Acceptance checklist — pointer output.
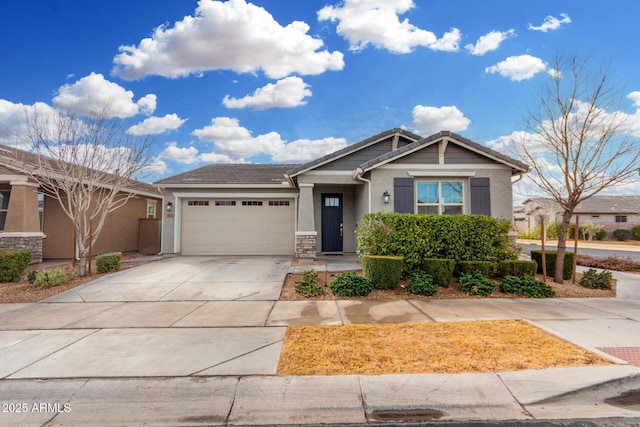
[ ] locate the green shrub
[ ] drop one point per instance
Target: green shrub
(601, 234)
(635, 231)
(49, 279)
(486, 268)
(553, 229)
(476, 284)
(550, 257)
(517, 268)
(109, 262)
(383, 271)
(534, 234)
(13, 263)
(309, 286)
(349, 284)
(440, 269)
(526, 286)
(593, 279)
(416, 237)
(31, 277)
(590, 230)
(621, 234)
(421, 283)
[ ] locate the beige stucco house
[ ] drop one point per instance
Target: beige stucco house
(31, 220)
(315, 207)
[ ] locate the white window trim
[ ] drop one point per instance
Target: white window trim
(440, 204)
(153, 203)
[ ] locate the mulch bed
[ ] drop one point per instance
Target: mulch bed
(566, 290)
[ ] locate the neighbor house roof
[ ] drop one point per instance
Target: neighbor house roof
(221, 174)
(516, 165)
(13, 159)
(595, 204)
(352, 148)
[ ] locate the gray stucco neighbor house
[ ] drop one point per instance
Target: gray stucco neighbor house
(302, 210)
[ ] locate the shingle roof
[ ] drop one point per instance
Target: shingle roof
(597, 204)
(351, 148)
(17, 160)
(517, 165)
(229, 174)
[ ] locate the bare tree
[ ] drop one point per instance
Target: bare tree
(86, 163)
(579, 142)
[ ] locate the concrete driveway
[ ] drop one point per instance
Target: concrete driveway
(181, 316)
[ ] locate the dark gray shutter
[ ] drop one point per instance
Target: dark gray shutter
(480, 196)
(403, 195)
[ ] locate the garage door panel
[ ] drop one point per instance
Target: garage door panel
(237, 230)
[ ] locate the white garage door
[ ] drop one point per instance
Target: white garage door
(238, 226)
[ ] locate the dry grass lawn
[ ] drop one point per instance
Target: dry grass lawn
(451, 348)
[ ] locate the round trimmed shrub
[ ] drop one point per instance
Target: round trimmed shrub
(621, 234)
(349, 284)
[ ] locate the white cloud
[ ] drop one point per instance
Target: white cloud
(232, 140)
(156, 125)
(94, 94)
(13, 126)
(377, 22)
(490, 41)
(231, 35)
(517, 68)
(157, 166)
(428, 120)
(219, 158)
(635, 97)
(147, 104)
(304, 150)
(286, 93)
(551, 23)
(186, 155)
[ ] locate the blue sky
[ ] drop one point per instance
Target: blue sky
(288, 81)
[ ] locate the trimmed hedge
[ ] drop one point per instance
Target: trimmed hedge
(383, 271)
(416, 237)
(109, 262)
(550, 257)
(440, 269)
(486, 268)
(13, 263)
(517, 268)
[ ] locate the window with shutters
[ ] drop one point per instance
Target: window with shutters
(440, 197)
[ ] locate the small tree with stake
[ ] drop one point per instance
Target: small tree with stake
(579, 142)
(87, 163)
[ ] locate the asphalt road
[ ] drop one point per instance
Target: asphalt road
(527, 247)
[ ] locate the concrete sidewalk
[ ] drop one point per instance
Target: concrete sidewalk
(203, 345)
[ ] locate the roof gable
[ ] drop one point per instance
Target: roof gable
(354, 148)
(487, 153)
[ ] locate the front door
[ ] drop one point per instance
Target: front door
(332, 228)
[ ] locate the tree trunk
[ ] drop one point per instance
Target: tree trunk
(558, 273)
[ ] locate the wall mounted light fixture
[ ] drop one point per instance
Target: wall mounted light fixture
(169, 206)
(386, 196)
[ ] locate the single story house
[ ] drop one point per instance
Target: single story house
(303, 210)
(29, 219)
(609, 212)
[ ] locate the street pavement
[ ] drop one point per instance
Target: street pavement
(197, 340)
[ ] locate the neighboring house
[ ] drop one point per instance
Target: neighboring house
(610, 212)
(31, 220)
(303, 210)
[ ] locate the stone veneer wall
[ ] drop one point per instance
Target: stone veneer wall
(306, 244)
(31, 243)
